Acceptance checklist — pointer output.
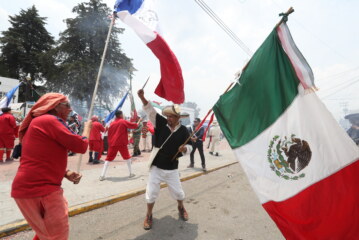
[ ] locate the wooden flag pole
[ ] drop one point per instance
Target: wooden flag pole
(97, 81)
(196, 130)
(284, 19)
(285, 16)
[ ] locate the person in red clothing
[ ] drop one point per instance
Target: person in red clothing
(36, 188)
(96, 143)
(118, 141)
(7, 133)
(146, 138)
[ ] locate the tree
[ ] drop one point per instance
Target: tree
(22, 46)
(72, 67)
(3, 69)
(194, 106)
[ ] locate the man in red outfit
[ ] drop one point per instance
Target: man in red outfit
(96, 142)
(46, 139)
(118, 141)
(7, 133)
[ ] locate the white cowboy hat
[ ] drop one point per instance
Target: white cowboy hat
(174, 110)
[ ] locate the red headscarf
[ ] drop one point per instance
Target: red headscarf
(46, 103)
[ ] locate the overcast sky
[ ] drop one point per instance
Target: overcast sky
(324, 30)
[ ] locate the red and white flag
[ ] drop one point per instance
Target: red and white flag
(143, 19)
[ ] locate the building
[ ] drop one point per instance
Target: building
(6, 84)
(190, 119)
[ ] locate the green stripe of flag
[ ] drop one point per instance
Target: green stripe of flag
(156, 105)
(268, 85)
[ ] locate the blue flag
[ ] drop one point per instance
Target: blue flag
(119, 106)
(5, 102)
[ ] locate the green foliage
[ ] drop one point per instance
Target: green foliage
(3, 69)
(22, 46)
(72, 66)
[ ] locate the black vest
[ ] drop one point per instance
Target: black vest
(164, 158)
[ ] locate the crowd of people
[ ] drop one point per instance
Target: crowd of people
(52, 131)
(141, 139)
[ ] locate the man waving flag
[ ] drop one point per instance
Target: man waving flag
(301, 164)
(143, 19)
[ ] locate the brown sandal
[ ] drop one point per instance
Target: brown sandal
(183, 213)
(147, 224)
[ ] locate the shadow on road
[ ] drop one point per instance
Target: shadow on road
(170, 228)
(121, 179)
(166, 228)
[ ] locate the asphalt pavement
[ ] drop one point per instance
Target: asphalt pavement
(92, 193)
(220, 204)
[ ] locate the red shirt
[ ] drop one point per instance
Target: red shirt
(117, 133)
(96, 131)
(7, 124)
(44, 157)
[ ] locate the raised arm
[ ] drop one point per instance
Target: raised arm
(141, 95)
(150, 111)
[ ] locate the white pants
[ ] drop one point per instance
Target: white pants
(214, 144)
(146, 142)
(170, 177)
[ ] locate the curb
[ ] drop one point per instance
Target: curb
(22, 225)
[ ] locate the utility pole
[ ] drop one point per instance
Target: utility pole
(27, 87)
(344, 106)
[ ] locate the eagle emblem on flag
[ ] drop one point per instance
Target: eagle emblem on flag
(289, 156)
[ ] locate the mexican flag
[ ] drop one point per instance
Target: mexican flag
(301, 164)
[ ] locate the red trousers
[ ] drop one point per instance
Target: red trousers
(112, 152)
(47, 215)
(7, 141)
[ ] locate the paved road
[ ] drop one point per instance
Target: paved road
(91, 189)
(221, 205)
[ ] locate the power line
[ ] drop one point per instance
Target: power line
(339, 74)
(346, 86)
(224, 27)
(315, 36)
(342, 99)
(349, 81)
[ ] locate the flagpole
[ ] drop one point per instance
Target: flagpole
(284, 19)
(285, 16)
(97, 81)
(204, 119)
